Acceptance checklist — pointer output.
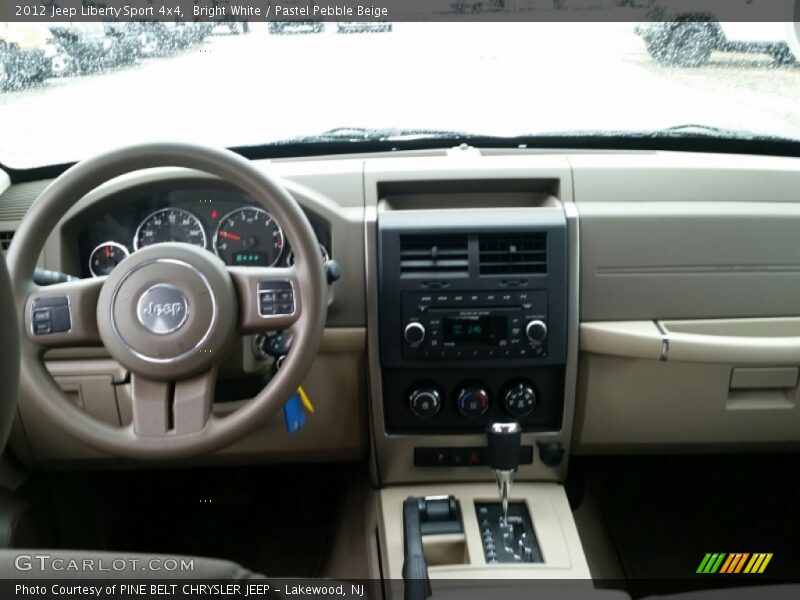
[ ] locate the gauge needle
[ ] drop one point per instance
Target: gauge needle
(108, 252)
(230, 236)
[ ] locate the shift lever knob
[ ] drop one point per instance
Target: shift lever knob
(504, 439)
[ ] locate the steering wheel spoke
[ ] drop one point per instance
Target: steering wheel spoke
(64, 314)
(268, 298)
(163, 408)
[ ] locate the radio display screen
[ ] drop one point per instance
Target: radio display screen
(475, 330)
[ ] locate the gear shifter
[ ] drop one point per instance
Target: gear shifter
(504, 439)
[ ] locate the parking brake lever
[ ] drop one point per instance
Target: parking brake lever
(504, 440)
(416, 582)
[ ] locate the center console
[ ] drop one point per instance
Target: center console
(472, 313)
(472, 309)
(478, 549)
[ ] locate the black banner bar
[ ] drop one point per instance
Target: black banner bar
(398, 10)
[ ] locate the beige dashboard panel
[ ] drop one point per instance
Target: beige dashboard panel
(337, 430)
(671, 235)
(685, 260)
(717, 384)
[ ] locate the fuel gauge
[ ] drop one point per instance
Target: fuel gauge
(105, 257)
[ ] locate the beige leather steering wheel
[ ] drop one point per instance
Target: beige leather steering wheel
(169, 313)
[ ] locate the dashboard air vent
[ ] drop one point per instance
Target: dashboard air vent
(515, 254)
(5, 239)
(437, 255)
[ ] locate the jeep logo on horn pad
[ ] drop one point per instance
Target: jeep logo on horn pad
(162, 309)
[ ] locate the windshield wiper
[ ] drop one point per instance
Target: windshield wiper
(681, 131)
(385, 134)
(697, 129)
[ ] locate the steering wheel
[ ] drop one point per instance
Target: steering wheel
(9, 355)
(169, 313)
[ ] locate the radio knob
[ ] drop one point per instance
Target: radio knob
(536, 330)
(414, 333)
(472, 401)
(520, 400)
(425, 402)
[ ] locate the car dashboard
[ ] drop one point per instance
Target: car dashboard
(612, 302)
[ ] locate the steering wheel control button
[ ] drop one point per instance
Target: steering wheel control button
(51, 315)
(425, 402)
(162, 309)
(275, 298)
(520, 399)
(472, 402)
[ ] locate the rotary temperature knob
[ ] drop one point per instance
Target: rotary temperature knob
(472, 401)
(520, 399)
(425, 402)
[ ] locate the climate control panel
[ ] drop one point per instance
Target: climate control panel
(457, 400)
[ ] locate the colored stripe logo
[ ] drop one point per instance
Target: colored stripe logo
(734, 563)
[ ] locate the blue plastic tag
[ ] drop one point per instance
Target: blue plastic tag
(294, 415)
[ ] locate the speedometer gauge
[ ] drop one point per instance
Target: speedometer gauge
(170, 225)
(248, 237)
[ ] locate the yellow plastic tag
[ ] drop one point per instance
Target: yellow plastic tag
(305, 400)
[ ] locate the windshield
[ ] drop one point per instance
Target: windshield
(70, 90)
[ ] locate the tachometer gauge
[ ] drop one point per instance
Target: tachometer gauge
(323, 252)
(105, 257)
(249, 237)
(170, 225)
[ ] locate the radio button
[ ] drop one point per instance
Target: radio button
(536, 330)
(414, 333)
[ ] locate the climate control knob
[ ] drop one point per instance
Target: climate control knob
(536, 330)
(425, 402)
(520, 399)
(472, 401)
(414, 333)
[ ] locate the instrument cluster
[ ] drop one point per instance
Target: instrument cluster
(225, 222)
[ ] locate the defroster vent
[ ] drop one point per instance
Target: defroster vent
(434, 255)
(513, 254)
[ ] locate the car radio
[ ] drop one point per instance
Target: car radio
(491, 325)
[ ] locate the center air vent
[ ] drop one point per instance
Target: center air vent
(520, 254)
(437, 255)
